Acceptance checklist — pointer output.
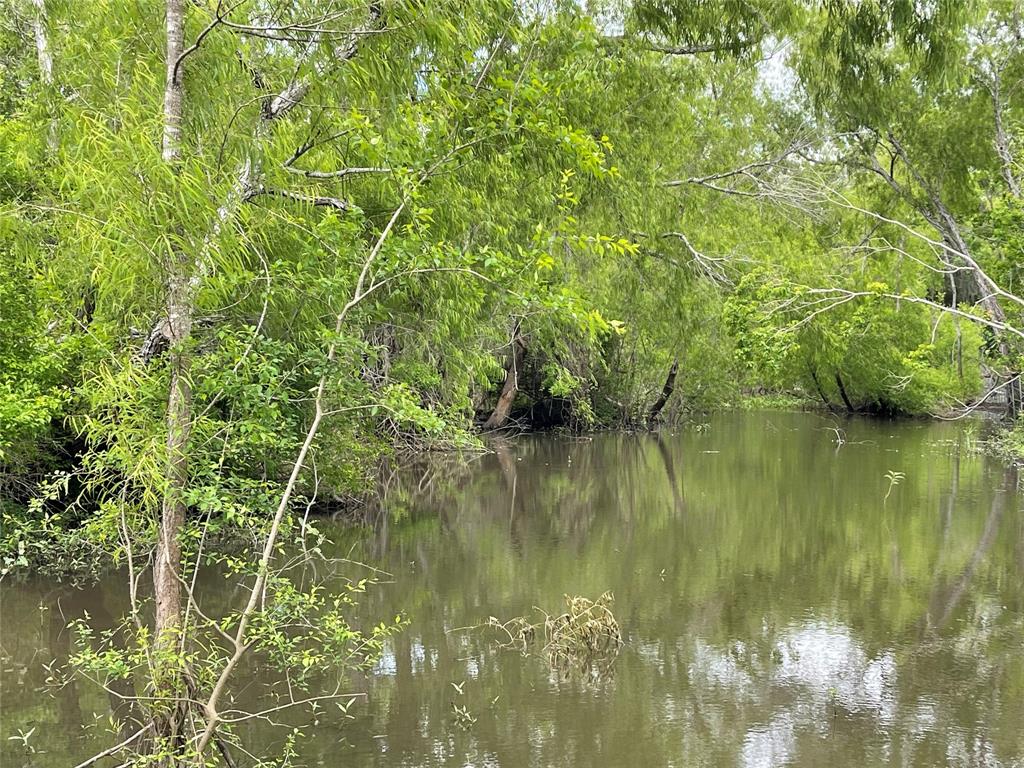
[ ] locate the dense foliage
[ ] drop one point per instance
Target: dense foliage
(573, 190)
(252, 251)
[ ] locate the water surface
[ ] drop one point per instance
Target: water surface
(777, 608)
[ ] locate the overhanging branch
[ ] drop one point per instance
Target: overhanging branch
(692, 49)
(318, 200)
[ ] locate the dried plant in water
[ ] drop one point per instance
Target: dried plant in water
(585, 639)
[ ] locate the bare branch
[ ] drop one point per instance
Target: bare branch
(943, 249)
(317, 200)
(682, 50)
(213, 716)
(1001, 139)
(708, 266)
(114, 749)
(243, 716)
(835, 297)
(218, 18)
(339, 174)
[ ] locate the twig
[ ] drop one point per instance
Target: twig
(116, 748)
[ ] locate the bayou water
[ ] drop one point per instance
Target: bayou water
(791, 589)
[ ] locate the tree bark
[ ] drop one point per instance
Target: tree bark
(173, 91)
(509, 390)
(166, 569)
(42, 42)
(179, 330)
(1002, 141)
(666, 393)
(167, 563)
(842, 394)
(821, 392)
(45, 59)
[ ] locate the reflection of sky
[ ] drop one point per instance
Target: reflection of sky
(818, 664)
(386, 664)
(772, 744)
(718, 668)
(827, 662)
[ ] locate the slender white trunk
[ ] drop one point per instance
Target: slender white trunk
(45, 59)
(1002, 141)
(167, 565)
(173, 91)
(42, 42)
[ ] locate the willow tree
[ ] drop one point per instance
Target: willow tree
(920, 102)
(278, 219)
(897, 162)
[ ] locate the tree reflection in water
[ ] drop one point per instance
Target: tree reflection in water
(774, 610)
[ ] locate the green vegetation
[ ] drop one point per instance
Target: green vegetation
(252, 252)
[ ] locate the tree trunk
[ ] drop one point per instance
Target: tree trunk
(842, 394)
(166, 569)
(173, 91)
(1002, 141)
(45, 58)
(167, 563)
(501, 411)
(1014, 396)
(179, 330)
(666, 393)
(821, 392)
(42, 42)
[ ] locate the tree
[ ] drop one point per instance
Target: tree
(252, 251)
(303, 202)
(919, 102)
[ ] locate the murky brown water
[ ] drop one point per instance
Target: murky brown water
(776, 609)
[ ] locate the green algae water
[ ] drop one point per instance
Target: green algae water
(791, 590)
